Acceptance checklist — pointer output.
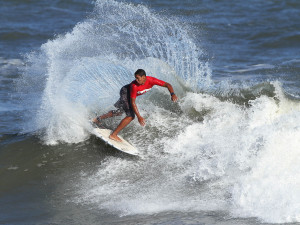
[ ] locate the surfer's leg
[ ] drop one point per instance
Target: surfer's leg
(110, 114)
(123, 123)
(98, 119)
(126, 106)
(119, 105)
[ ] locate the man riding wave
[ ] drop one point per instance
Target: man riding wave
(126, 103)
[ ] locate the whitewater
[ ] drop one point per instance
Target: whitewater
(227, 146)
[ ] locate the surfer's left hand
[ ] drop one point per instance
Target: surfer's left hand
(174, 98)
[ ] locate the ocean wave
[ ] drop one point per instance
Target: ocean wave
(215, 155)
(210, 151)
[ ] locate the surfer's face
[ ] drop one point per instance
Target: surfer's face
(140, 79)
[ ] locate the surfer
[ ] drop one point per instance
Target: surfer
(126, 103)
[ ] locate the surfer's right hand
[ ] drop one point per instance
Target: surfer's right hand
(141, 121)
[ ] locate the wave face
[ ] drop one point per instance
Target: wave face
(230, 147)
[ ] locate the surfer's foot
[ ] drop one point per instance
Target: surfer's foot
(115, 138)
(97, 122)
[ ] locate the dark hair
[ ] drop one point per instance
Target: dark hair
(140, 72)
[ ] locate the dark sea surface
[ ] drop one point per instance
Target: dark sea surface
(227, 153)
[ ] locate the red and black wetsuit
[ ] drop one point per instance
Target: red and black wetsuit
(133, 90)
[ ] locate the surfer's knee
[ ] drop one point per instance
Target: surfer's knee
(117, 112)
(129, 118)
(132, 114)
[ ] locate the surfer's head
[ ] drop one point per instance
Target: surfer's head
(140, 76)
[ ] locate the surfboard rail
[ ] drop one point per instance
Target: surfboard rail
(123, 146)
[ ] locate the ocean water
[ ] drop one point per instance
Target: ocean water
(227, 153)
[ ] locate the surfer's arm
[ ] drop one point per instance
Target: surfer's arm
(171, 90)
(136, 111)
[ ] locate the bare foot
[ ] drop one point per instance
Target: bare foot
(115, 138)
(95, 121)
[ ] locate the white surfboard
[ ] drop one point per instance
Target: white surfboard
(123, 146)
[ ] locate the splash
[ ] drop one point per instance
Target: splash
(82, 71)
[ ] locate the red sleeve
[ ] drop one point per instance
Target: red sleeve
(156, 81)
(133, 91)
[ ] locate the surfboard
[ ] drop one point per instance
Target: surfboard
(123, 146)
